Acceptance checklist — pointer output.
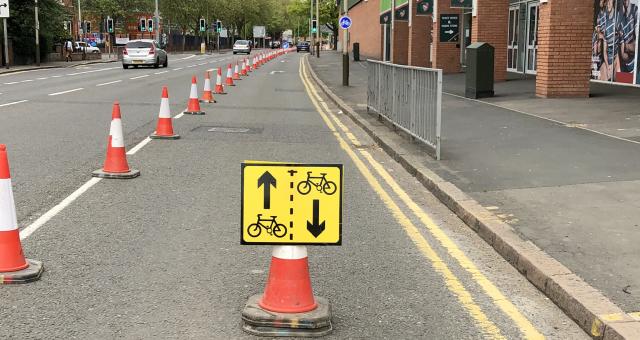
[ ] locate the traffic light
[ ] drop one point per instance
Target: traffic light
(110, 25)
(143, 24)
(87, 26)
(150, 25)
(314, 26)
(218, 26)
(203, 25)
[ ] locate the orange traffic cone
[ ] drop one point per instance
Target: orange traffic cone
(229, 80)
(115, 164)
(219, 86)
(164, 129)
(193, 107)
(14, 268)
(287, 307)
(255, 63)
(289, 286)
(207, 94)
(244, 71)
(236, 73)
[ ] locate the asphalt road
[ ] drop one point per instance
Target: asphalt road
(159, 257)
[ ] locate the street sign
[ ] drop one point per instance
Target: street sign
(4, 8)
(345, 22)
(291, 204)
(449, 27)
(461, 3)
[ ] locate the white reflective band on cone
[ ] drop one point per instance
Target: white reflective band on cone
(8, 219)
(117, 138)
(194, 91)
(290, 252)
(207, 85)
(165, 112)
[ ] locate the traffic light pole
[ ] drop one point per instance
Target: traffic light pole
(6, 42)
(319, 41)
(157, 23)
(37, 36)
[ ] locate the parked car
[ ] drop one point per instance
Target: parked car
(81, 45)
(144, 52)
(275, 44)
(242, 46)
(303, 46)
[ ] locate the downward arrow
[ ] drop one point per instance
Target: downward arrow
(267, 181)
(316, 228)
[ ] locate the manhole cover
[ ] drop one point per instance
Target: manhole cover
(229, 130)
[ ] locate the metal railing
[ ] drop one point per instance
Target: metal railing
(408, 97)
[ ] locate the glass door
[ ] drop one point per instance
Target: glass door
(512, 42)
(466, 36)
(532, 37)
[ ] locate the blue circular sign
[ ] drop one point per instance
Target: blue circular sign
(345, 22)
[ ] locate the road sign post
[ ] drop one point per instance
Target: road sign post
(345, 46)
(4, 14)
(291, 204)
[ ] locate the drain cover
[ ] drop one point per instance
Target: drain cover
(229, 130)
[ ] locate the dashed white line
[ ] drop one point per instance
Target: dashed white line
(109, 83)
(189, 57)
(179, 115)
(26, 232)
(202, 64)
(68, 91)
(26, 81)
(92, 71)
(138, 77)
(161, 72)
(177, 69)
(11, 83)
(43, 78)
(14, 103)
(191, 66)
(56, 76)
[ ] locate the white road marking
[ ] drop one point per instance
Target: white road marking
(189, 57)
(109, 83)
(56, 76)
(179, 115)
(161, 72)
(14, 103)
(43, 78)
(92, 71)
(68, 91)
(191, 66)
(274, 72)
(26, 232)
(139, 146)
(177, 69)
(26, 81)
(11, 83)
(202, 64)
(138, 77)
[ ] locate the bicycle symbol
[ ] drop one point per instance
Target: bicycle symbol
(273, 228)
(319, 182)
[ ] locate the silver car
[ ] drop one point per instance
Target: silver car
(144, 52)
(242, 46)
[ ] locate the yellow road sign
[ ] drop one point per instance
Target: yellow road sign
(291, 203)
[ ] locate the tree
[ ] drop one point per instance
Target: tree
(329, 17)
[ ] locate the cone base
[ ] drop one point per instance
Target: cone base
(207, 101)
(220, 93)
(154, 136)
(194, 113)
(113, 175)
(29, 274)
(260, 322)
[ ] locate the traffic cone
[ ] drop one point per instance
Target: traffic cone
(243, 70)
(14, 268)
(229, 80)
(164, 129)
(193, 107)
(287, 307)
(207, 94)
(219, 86)
(115, 164)
(255, 63)
(236, 73)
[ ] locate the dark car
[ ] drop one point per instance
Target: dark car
(303, 46)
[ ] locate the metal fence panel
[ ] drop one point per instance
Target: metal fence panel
(408, 97)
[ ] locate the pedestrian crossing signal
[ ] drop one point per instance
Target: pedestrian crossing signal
(203, 25)
(150, 25)
(110, 25)
(314, 26)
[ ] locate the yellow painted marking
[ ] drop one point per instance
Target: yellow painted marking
(525, 326)
(454, 285)
(635, 315)
(612, 317)
(596, 328)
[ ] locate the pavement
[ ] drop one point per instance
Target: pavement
(570, 187)
(158, 256)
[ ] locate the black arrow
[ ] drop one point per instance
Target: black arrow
(267, 181)
(316, 228)
(4, 5)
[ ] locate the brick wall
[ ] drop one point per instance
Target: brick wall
(400, 44)
(419, 40)
(564, 48)
(366, 29)
(446, 55)
(491, 26)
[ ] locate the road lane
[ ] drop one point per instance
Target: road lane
(158, 256)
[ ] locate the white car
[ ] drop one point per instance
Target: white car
(242, 46)
(144, 52)
(81, 45)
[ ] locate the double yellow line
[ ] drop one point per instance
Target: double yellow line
(486, 326)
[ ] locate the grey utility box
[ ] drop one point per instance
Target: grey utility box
(479, 77)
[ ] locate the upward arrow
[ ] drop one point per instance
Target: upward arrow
(267, 181)
(316, 228)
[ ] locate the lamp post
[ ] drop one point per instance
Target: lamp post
(157, 23)
(37, 36)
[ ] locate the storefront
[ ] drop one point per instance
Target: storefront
(522, 42)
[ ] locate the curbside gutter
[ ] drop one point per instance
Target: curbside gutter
(591, 310)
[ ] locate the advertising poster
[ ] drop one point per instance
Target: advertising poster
(424, 7)
(402, 10)
(614, 52)
(385, 12)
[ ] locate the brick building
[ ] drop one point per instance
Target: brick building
(563, 43)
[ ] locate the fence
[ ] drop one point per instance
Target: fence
(408, 97)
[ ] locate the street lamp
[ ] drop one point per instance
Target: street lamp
(37, 36)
